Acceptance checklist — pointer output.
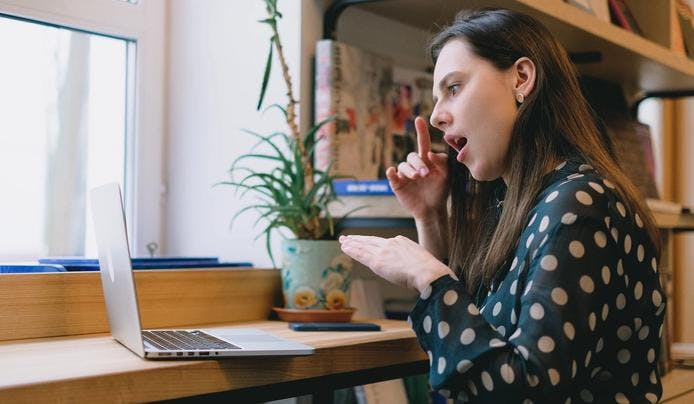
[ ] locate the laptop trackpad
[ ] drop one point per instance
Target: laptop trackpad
(244, 335)
(240, 339)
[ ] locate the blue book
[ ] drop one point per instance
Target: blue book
(92, 264)
(346, 187)
(135, 260)
(30, 268)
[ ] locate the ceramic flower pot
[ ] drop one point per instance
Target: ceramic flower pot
(316, 275)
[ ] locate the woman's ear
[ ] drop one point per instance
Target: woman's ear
(524, 76)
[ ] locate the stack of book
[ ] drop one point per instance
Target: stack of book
(374, 103)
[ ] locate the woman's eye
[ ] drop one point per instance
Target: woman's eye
(453, 89)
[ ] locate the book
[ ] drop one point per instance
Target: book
(676, 34)
(344, 187)
(411, 97)
(584, 5)
(374, 103)
(601, 9)
(621, 15)
(684, 17)
(68, 260)
(665, 273)
(634, 151)
(30, 268)
(629, 141)
(352, 87)
(77, 264)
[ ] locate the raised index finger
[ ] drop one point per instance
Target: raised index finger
(423, 138)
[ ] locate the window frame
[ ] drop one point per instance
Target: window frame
(145, 23)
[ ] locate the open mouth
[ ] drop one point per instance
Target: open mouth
(460, 143)
(456, 143)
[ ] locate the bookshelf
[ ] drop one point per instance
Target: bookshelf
(645, 66)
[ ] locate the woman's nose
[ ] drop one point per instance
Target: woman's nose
(439, 119)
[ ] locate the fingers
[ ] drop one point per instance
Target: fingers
(394, 179)
(423, 138)
(361, 248)
(438, 158)
(408, 171)
(413, 168)
(418, 163)
(372, 243)
(362, 240)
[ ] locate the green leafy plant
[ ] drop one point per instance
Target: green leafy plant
(292, 195)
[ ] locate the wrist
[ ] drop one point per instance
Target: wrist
(432, 218)
(426, 277)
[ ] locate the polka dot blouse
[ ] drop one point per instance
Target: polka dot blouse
(575, 316)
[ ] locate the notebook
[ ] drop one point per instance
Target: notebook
(121, 301)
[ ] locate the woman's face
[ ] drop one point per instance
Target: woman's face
(475, 107)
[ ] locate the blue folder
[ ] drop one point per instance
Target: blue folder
(92, 264)
(30, 268)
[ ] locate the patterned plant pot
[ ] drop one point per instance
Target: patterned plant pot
(316, 275)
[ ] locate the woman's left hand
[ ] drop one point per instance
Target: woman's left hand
(398, 260)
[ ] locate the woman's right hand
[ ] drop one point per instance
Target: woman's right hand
(421, 182)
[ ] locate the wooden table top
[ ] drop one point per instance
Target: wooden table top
(97, 367)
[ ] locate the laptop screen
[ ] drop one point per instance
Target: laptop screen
(115, 266)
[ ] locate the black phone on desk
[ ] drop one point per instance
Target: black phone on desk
(334, 327)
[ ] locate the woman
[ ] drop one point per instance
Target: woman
(551, 290)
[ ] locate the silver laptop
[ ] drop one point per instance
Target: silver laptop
(121, 301)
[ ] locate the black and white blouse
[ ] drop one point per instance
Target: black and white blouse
(575, 316)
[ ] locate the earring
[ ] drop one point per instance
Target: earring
(520, 98)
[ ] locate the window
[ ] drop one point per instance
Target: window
(114, 113)
(64, 103)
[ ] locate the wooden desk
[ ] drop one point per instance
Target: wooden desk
(678, 386)
(54, 341)
(95, 367)
(86, 364)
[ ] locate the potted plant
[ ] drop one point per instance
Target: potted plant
(293, 195)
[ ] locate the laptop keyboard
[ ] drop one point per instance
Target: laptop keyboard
(176, 340)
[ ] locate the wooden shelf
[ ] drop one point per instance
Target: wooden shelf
(668, 215)
(670, 221)
(637, 63)
(683, 351)
(388, 207)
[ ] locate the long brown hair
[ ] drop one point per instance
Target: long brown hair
(554, 123)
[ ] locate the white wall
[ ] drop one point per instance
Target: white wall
(217, 53)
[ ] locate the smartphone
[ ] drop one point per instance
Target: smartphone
(334, 327)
